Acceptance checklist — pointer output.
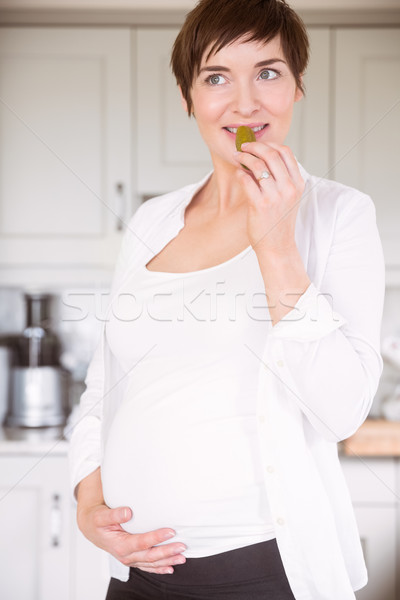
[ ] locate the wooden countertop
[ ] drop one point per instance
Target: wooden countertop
(375, 437)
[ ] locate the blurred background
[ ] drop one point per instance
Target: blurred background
(90, 127)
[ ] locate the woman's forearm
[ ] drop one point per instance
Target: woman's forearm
(90, 491)
(285, 280)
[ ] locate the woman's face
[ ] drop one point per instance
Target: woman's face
(245, 83)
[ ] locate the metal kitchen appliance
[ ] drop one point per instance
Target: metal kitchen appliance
(5, 366)
(38, 384)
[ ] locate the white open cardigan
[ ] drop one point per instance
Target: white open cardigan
(318, 376)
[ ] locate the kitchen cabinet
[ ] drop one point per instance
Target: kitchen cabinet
(377, 527)
(367, 123)
(309, 133)
(34, 524)
(90, 574)
(43, 554)
(65, 150)
(373, 487)
(170, 151)
(92, 125)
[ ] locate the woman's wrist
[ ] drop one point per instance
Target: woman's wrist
(89, 491)
(285, 280)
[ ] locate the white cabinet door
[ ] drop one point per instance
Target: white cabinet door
(65, 159)
(373, 487)
(371, 480)
(309, 134)
(35, 528)
(377, 526)
(169, 150)
(367, 123)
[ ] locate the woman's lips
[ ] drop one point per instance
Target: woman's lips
(258, 134)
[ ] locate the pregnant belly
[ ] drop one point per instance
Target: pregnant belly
(144, 468)
(195, 476)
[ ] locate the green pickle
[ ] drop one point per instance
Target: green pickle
(244, 134)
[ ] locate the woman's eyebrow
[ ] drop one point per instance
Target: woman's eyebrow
(263, 63)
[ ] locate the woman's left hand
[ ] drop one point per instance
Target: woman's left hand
(273, 202)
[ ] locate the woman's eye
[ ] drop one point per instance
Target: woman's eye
(215, 79)
(268, 74)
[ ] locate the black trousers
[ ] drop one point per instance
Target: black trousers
(252, 573)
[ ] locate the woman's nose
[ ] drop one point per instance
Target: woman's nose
(246, 100)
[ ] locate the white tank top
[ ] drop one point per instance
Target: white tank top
(182, 450)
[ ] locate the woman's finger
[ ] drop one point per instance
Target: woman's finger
(178, 559)
(158, 553)
(145, 541)
(290, 161)
(161, 571)
(253, 167)
(106, 517)
(154, 555)
(265, 157)
(259, 149)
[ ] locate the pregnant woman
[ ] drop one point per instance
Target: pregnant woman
(241, 344)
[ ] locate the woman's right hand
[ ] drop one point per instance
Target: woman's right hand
(102, 526)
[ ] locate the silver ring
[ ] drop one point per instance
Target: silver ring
(264, 175)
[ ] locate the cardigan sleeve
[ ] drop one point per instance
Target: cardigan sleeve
(325, 352)
(84, 443)
(85, 431)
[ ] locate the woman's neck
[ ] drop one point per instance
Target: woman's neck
(222, 194)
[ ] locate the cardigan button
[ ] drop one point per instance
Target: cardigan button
(280, 521)
(270, 469)
(280, 363)
(261, 419)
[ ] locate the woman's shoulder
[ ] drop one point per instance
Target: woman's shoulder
(156, 206)
(159, 213)
(168, 204)
(163, 203)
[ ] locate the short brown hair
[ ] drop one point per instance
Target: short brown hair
(217, 23)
